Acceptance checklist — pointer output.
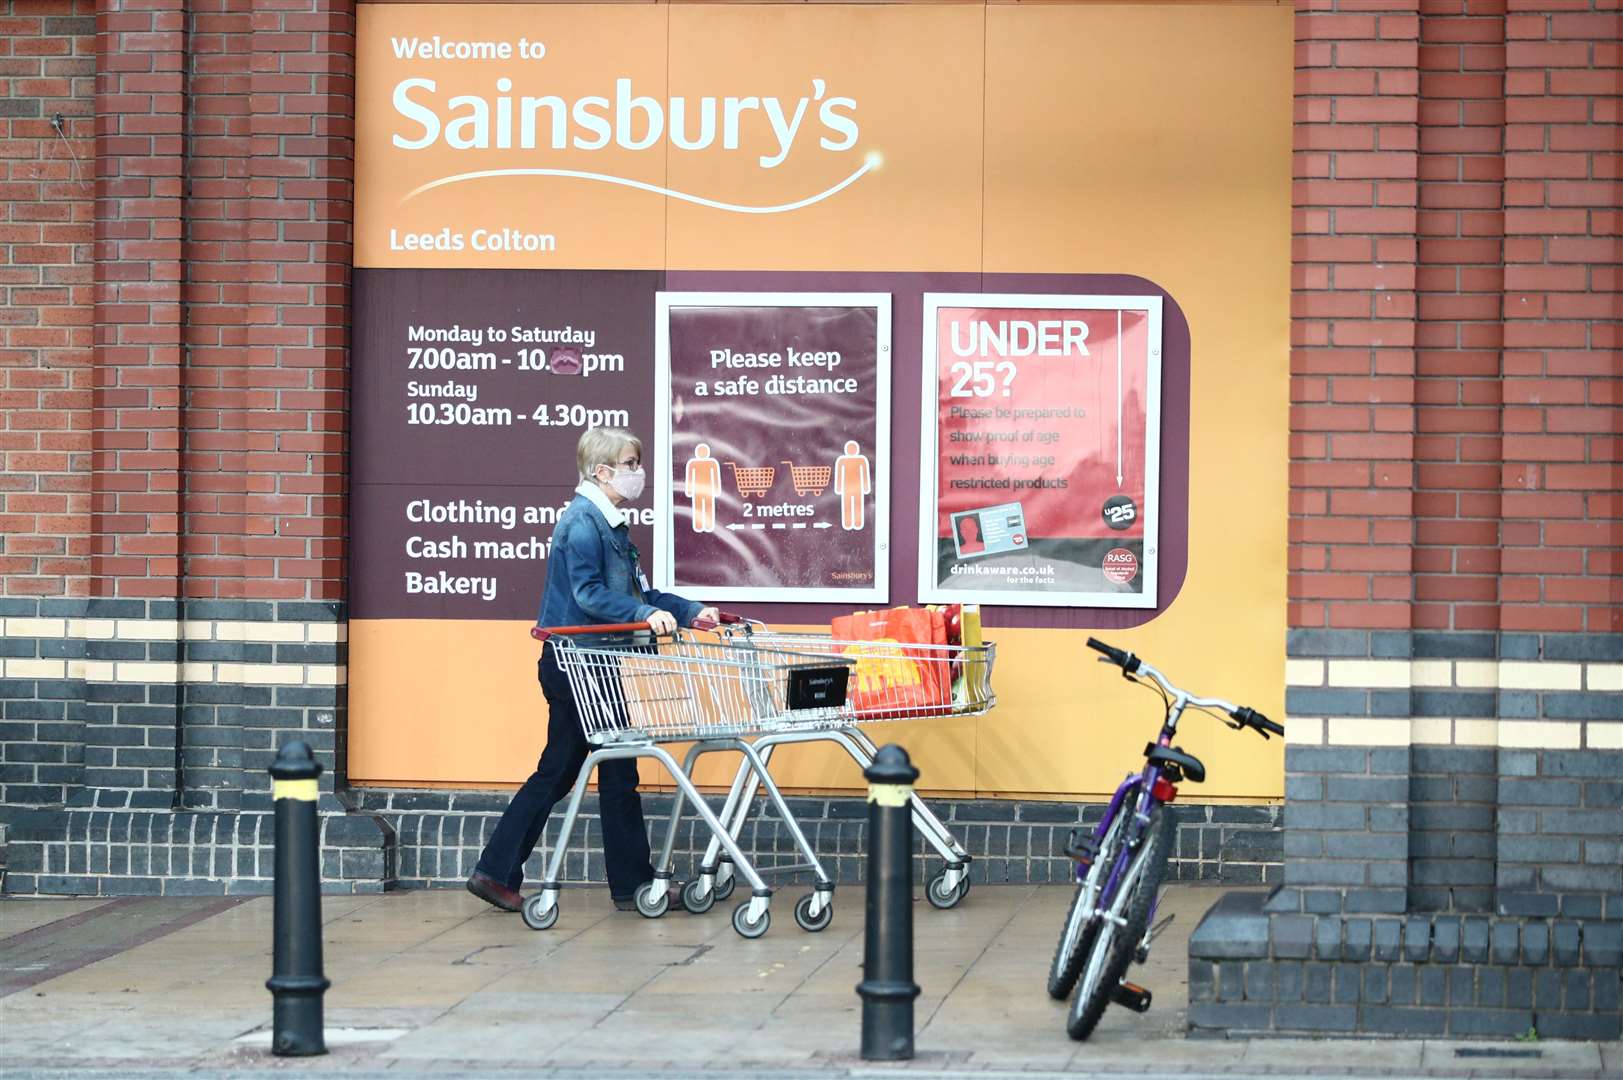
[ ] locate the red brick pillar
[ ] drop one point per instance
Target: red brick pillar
(223, 216)
(1562, 315)
(1353, 503)
(140, 96)
(132, 680)
(1457, 451)
(1563, 500)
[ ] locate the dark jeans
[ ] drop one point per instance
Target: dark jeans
(625, 838)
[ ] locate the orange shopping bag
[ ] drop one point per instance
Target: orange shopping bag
(891, 679)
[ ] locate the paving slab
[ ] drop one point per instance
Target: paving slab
(435, 983)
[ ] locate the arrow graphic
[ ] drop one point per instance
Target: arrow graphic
(1118, 398)
(822, 525)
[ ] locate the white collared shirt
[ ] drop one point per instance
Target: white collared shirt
(611, 513)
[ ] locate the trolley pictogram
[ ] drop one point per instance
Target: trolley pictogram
(809, 479)
(752, 479)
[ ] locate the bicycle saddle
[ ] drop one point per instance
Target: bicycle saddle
(1176, 764)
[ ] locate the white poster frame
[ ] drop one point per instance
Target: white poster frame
(664, 483)
(929, 591)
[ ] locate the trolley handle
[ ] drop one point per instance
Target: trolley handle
(542, 633)
(723, 618)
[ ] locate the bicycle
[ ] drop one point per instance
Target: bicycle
(1120, 866)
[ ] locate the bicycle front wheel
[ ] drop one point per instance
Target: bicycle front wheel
(1114, 943)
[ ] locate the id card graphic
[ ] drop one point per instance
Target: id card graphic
(991, 530)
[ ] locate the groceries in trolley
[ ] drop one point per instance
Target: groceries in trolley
(946, 672)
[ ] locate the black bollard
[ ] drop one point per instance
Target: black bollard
(296, 983)
(887, 986)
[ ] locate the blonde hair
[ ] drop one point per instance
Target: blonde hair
(602, 446)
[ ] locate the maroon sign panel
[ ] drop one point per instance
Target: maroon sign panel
(776, 444)
(471, 389)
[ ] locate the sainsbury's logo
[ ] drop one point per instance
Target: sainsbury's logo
(520, 116)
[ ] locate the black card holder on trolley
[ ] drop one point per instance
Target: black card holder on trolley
(818, 686)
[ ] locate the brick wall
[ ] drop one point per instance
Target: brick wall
(47, 173)
(1455, 666)
(1563, 187)
(205, 625)
(47, 177)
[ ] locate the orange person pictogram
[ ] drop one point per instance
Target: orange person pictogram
(852, 483)
(701, 484)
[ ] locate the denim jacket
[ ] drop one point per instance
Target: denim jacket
(593, 575)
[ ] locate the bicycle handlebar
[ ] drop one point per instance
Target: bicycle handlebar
(1124, 660)
(1242, 715)
(1249, 717)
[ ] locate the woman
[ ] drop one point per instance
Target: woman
(593, 577)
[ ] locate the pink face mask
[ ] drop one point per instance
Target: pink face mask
(628, 485)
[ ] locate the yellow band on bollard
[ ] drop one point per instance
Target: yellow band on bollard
(890, 794)
(302, 790)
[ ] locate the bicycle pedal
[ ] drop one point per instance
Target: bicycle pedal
(1082, 846)
(1131, 996)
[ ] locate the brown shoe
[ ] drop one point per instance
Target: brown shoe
(494, 892)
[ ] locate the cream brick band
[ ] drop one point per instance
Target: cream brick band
(1463, 675)
(189, 672)
(1456, 674)
(1459, 731)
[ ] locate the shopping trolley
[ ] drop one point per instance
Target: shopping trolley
(966, 669)
(634, 690)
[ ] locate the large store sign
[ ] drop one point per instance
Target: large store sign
(777, 445)
(897, 297)
(1041, 448)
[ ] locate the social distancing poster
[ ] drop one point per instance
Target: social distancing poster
(909, 303)
(779, 461)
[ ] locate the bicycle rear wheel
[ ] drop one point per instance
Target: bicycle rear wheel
(1076, 936)
(1113, 945)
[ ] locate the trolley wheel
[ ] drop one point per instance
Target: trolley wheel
(724, 889)
(748, 929)
(803, 916)
(651, 905)
(693, 901)
(942, 897)
(534, 917)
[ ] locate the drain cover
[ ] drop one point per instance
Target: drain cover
(1495, 1052)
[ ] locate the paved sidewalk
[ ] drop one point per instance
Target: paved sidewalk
(436, 983)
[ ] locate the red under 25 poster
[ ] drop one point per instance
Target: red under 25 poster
(1040, 448)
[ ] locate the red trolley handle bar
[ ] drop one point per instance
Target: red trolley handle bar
(723, 618)
(542, 633)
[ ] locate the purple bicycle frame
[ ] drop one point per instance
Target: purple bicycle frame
(1144, 782)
